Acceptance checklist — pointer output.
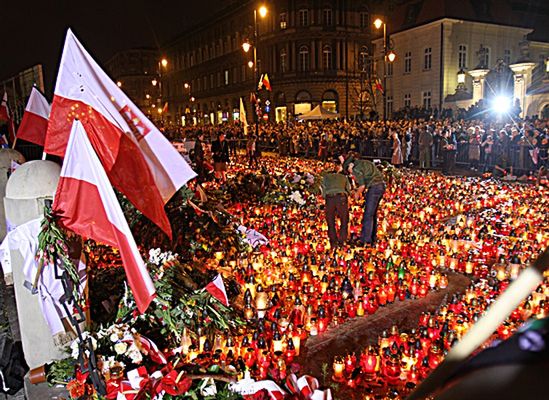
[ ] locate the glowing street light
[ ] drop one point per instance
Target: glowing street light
(250, 64)
(501, 104)
(461, 77)
(164, 62)
(378, 23)
(246, 46)
(119, 84)
(154, 82)
(186, 85)
(262, 11)
(388, 56)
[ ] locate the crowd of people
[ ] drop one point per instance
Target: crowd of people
(504, 148)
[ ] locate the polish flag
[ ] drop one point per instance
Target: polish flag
(6, 116)
(87, 205)
(138, 159)
(35, 119)
(217, 289)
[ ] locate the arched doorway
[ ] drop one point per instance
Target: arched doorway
(281, 111)
(330, 100)
(302, 102)
(544, 114)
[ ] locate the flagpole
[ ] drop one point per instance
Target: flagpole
(14, 143)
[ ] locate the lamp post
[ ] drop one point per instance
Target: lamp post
(163, 63)
(388, 56)
(187, 87)
(246, 46)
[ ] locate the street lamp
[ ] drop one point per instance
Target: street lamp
(162, 64)
(388, 56)
(190, 109)
(461, 77)
(119, 84)
(246, 46)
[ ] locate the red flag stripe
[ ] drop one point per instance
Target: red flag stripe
(33, 128)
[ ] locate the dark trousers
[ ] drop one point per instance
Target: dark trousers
(369, 220)
(449, 162)
(337, 206)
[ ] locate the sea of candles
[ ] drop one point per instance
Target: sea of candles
(430, 225)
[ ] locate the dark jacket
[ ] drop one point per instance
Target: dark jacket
(220, 151)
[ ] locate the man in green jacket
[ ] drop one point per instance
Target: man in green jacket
(367, 177)
(335, 189)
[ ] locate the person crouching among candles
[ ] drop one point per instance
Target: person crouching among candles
(336, 189)
(370, 184)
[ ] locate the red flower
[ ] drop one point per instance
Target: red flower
(76, 389)
(175, 385)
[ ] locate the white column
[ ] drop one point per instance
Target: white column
(26, 192)
(478, 83)
(523, 78)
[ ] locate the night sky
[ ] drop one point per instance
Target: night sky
(33, 32)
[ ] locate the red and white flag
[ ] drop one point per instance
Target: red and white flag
(5, 116)
(35, 119)
(138, 159)
(86, 204)
(217, 289)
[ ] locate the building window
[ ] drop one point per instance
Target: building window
(205, 83)
(304, 58)
(283, 57)
(327, 17)
(485, 57)
(304, 17)
(283, 20)
(226, 77)
(407, 100)
(364, 20)
(427, 58)
(507, 56)
(462, 56)
(390, 69)
(363, 59)
(212, 81)
(327, 57)
(408, 62)
(389, 105)
(426, 99)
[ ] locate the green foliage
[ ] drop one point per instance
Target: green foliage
(180, 303)
(53, 244)
(61, 371)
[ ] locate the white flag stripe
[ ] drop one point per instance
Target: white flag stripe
(38, 104)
